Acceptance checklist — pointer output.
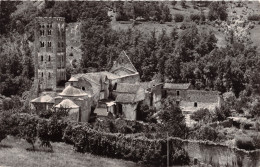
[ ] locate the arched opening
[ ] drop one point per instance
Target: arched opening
(83, 88)
(49, 58)
(195, 104)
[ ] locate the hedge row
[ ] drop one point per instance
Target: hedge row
(255, 17)
(116, 145)
(124, 126)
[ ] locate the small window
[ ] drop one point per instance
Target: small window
(61, 58)
(178, 93)
(42, 74)
(114, 88)
(62, 44)
(49, 58)
(71, 54)
(49, 44)
(58, 44)
(42, 32)
(195, 104)
(42, 44)
(42, 26)
(49, 32)
(41, 58)
(49, 75)
(83, 88)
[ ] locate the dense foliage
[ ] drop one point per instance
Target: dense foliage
(189, 55)
(155, 11)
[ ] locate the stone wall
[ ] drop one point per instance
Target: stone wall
(129, 111)
(189, 106)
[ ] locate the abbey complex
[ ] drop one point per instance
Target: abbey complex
(114, 93)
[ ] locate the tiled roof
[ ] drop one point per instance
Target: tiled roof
(126, 98)
(92, 77)
(72, 91)
(95, 77)
(73, 79)
(67, 103)
(109, 75)
(176, 86)
(127, 88)
(43, 99)
(202, 96)
(147, 85)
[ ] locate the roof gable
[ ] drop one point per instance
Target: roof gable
(202, 96)
(43, 99)
(123, 61)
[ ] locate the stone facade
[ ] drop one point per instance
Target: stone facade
(50, 52)
(192, 100)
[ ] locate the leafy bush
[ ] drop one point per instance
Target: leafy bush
(217, 10)
(201, 115)
(255, 17)
(195, 17)
(256, 141)
(222, 113)
(180, 157)
(245, 142)
(178, 17)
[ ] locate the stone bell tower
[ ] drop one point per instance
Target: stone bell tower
(50, 52)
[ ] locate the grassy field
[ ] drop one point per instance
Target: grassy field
(13, 153)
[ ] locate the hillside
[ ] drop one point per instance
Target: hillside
(247, 9)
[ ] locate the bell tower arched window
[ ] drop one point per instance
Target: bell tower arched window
(49, 44)
(42, 44)
(49, 32)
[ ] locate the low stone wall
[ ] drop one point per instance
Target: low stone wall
(218, 154)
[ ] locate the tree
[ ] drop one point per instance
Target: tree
(172, 119)
(174, 3)
(183, 3)
(6, 9)
(217, 10)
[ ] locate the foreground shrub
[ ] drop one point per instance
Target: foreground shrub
(195, 17)
(178, 17)
(222, 113)
(201, 115)
(206, 132)
(256, 141)
(254, 17)
(245, 142)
